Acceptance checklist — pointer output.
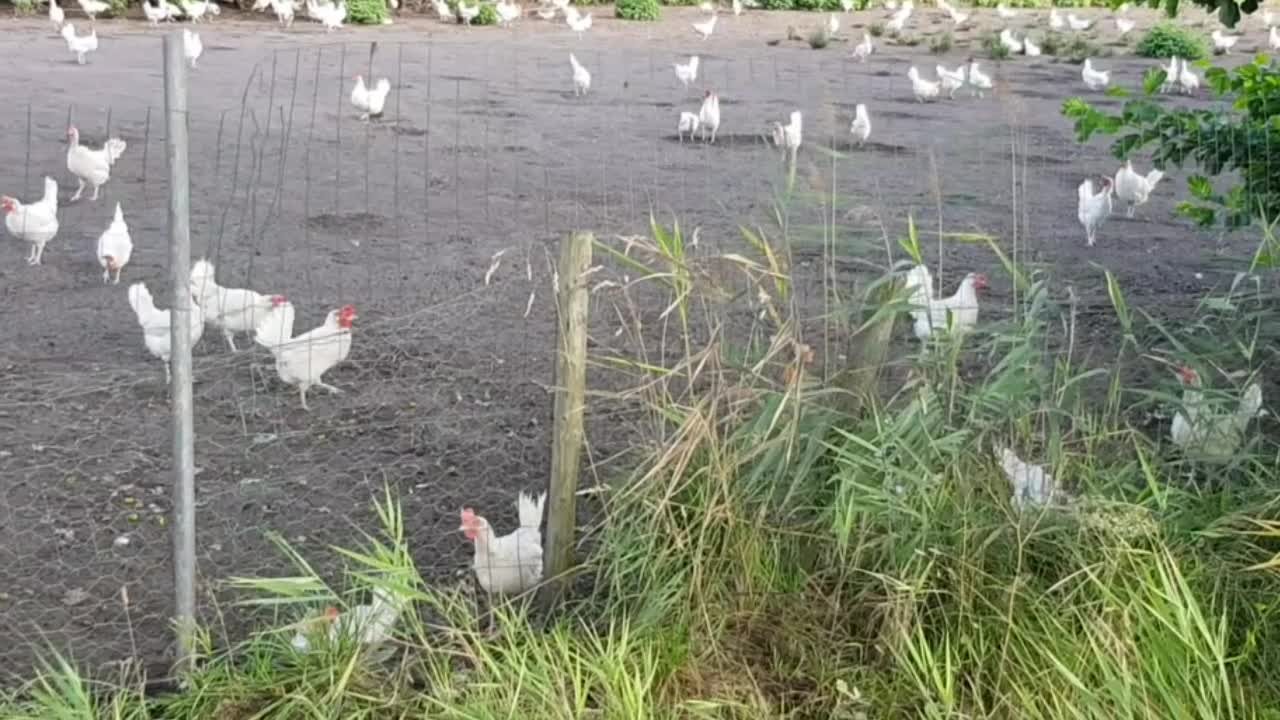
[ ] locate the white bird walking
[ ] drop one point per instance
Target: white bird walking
(468, 12)
(789, 136)
(706, 27)
(979, 82)
(1005, 12)
(1093, 209)
(155, 324)
(1133, 188)
(581, 77)
(1094, 79)
(922, 89)
(93, 7)
(370, 102)
(1224, 43)
(688, 124)
(1029, 48)
(709, 116)
(508, 12)
(1056, 22)
(81, 46)
(1124, 26)
(737, 8)
(577, 23)
(56, 15)
(1010, 43)
(957, 18)
(900, 17)
(115, 247)
(687, 73)
(951, 80)
(860, 128)
(191, 47)
(863, 50)
(1078, 24)
(833, 24)
(1188, 80)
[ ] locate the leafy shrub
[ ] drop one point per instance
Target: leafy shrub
(775, 4)
(637, 10)
(1238, 142)
(939, 44)
(1053, 43)
(488, 15)
(119, 8)
(1166, 40)
(822, 5)
(994, 47)
(819, 39)
(875, 29)
(24, 7)
(367, 12)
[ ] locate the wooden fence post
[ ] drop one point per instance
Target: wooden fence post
(572, 305)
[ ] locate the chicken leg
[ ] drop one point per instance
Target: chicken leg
(95, 192)
(230, 339)
(168, 375)
(79, 191)
(302, 392)
(330, 388)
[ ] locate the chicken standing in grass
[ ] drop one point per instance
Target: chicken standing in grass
(369, 624)
(1202, 428)
(115, 247)
(511, 564)
(957, 313)
(91, 166)
(232, 310)
(303, 360)
(155, 324)
(36, 223)
(1031, 484)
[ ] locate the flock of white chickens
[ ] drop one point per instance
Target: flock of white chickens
(512, 564)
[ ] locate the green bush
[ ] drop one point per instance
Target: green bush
(994, 47)
(1166, 40)
(939, 44)
(638, 10)
(488, 15)
(875, 29)
(819, 39)
(821, 5)
(367, 12)
(775, 4)
(119, 8)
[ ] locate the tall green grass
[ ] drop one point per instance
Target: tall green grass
(816, 526)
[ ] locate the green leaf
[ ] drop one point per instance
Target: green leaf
(1200, 187)
(1152, 81)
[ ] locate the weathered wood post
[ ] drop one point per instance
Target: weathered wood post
(572, 305)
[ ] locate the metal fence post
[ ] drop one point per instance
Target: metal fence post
(184, 501)
(572, 305)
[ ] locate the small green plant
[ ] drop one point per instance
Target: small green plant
(638, 10)
(819, 39)
(996, 49)
(1168, 40)
(24, 7)
(906, 39)
(939, 44)
(367, 12)
(1053, 43)
(875, 29)
(119, 8)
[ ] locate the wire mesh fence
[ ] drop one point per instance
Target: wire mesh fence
(438, 222)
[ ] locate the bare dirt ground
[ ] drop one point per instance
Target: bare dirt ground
(483, 149)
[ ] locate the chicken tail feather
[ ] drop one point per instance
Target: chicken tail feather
(1250, 406)
(530, 510)
(142, 303)
(115, 147)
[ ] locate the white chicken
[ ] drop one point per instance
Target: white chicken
(332, 16)
(447, 14)
(192, 48)
(370, 101)
(303, 360)
(546, 12)
(1078, 24)
(1010, 43)
(1273, 38)
(688, 124)
(154, 13)
(232, 310)
(581, 76)
(369, 625)
(56, 15)
(789, 136)
(737, 7)
(957, 18)
(709, 116)
(930, 314)
(115, 247)
(36, 223)
(979, 82)
(155, 324)
(577, 23)
(93, 8)
(922, 89)
(1188, 80)
(687, 73)
(1223, 43)
(1092, 209)
(1031, 484)
(1056, 21)
(1269, 18)
(1029, 48)
(1005, 12)
(833, 24)
(951, 80)
(1133, 188)
(80, 46)
(707, 6)
(508, 13)
(1170, 75)
(706, 27)
(899, 19)
(863, 50)
(91, 166)
(512, 563)
(196, 11)
(284, 11)
(1094, 79)
(1124, 26)
(846, 6)
(860, 128)
(1202, 428)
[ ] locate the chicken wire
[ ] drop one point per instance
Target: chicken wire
(438, 222)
